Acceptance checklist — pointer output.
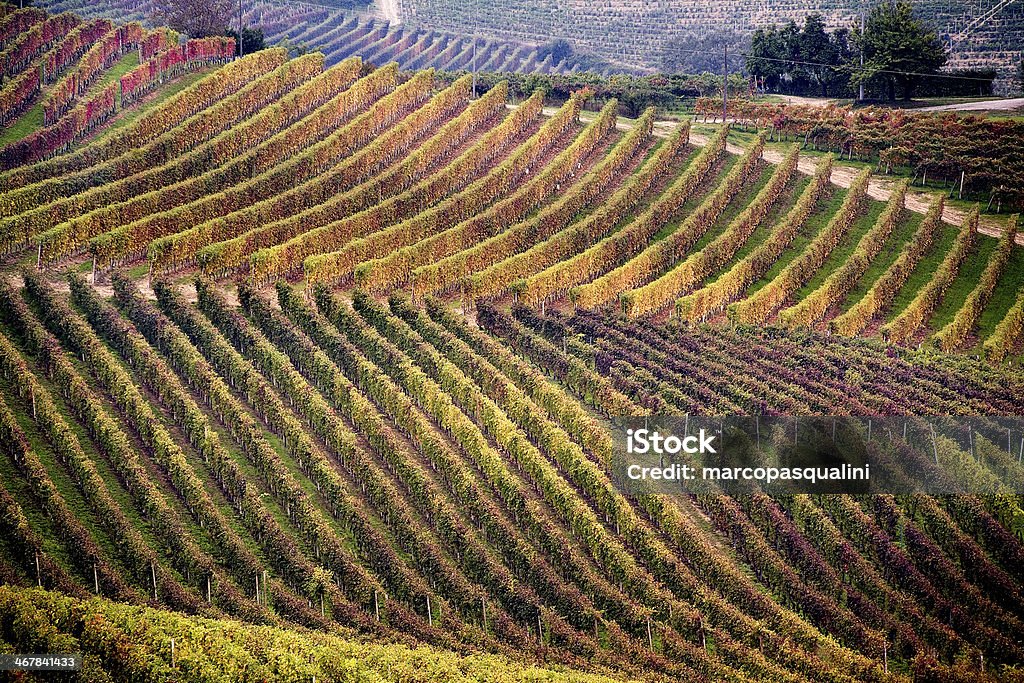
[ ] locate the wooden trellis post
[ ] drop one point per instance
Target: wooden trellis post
(935, 448)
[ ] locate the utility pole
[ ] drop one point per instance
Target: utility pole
(861, 97)
(241, 52)
(725, 85)
(474, 66)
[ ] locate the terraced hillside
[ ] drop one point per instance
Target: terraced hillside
(983, 34)
(339, 33)
(296, 358)
(615, 37)
(285, 169)
(397, 471)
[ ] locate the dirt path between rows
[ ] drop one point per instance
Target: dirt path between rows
(879, 188)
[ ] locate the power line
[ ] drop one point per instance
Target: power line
(723, 54)
(835, 67)
(991, 12)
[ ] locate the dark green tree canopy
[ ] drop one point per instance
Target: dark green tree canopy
(800, 59)
(898, 48)
(558, 49)
(252, 39)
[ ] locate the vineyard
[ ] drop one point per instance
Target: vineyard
(159, 645)
(340, 33)
(309, 370)
(395, 470)
(66, 69)
(387, 181)
(629, 33)
(617, 37)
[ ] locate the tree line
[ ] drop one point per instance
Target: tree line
(889, 52)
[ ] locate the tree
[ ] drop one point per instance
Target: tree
(195, 18)
(705, 83)
(766, 58)
(296, 49)
(822, 53)
(802, 60)
(252, 39)
(898, 49)
(796, 73)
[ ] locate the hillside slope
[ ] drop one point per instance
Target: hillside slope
(370, 178)
(394, 470)
(635, 33)
(156, 645)
(307, 357)
(341, 30)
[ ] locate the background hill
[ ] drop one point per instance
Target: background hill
(618, 36)
(341, 30)
(641, 33)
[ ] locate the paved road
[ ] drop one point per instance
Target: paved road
(986, 105)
